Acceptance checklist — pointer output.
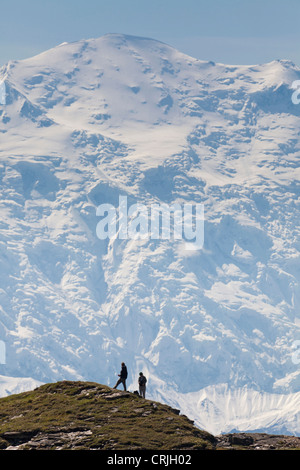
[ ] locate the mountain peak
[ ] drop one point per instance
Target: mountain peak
(88, 123)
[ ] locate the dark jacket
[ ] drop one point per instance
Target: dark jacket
(142, 380)
(123, 373)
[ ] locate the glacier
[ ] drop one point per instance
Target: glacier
(215, 329)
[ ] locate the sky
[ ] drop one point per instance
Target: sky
(228, 31)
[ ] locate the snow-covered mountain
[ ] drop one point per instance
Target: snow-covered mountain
(215, 330)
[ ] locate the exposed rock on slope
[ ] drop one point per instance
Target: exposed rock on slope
(257, 441)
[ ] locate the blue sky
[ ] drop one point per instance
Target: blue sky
(228, 31)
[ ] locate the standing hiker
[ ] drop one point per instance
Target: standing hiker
(123, 376)
(142, 384)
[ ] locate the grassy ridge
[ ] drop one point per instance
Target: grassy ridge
(88, 415)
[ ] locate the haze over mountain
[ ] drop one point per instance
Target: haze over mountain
(213, 329)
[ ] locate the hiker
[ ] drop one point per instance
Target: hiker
(142, 385)
(123, 376)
